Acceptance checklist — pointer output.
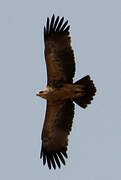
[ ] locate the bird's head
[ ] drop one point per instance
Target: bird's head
(44, 94)
(41, 94)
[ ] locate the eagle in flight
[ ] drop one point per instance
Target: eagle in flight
(61, 92)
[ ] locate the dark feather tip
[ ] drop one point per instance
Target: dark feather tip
(55, 25)
(53, 159)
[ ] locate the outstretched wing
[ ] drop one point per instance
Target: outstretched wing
(58, 52)
(57, 126)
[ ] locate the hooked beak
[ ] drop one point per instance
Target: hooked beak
(38, 94)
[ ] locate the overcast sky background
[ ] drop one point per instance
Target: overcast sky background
(95, 142)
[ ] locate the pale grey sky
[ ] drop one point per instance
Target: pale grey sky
(95, 142)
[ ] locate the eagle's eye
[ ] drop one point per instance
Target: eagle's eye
(41, 92)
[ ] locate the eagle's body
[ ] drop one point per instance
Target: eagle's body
(67, 91)
(60, 92)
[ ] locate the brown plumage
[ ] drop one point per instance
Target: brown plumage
(58, 52)
(60, 92)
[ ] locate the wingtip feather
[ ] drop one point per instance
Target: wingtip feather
(53, 159)
(55, 25)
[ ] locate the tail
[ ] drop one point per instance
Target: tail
(89, 90)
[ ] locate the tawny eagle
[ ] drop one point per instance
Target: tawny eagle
(61, 92)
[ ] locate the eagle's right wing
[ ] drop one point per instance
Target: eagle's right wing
(57, 126)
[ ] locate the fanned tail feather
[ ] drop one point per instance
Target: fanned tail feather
(89, 90)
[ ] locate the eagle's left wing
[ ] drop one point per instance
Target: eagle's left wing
(57, 126)
(59, 54)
